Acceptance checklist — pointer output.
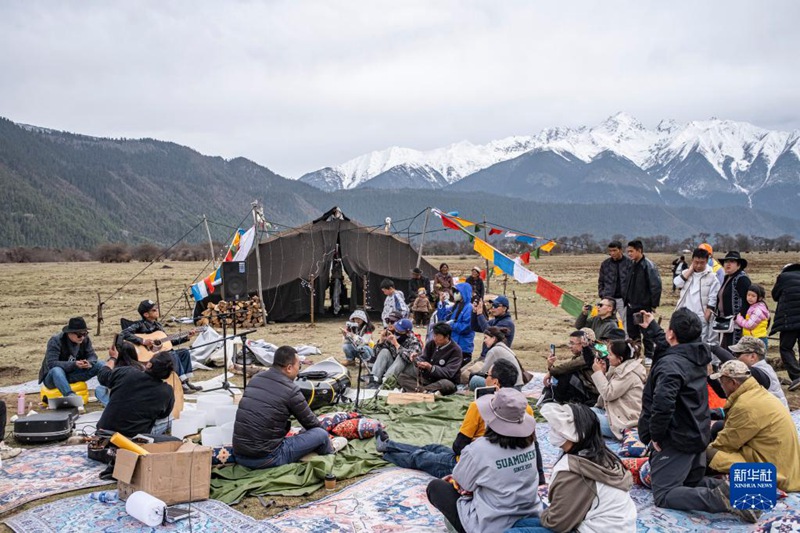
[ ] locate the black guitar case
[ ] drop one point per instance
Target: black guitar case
(51, 426)
(323, 383)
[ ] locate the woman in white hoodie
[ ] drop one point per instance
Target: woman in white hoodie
(589, 488)
(620, 402)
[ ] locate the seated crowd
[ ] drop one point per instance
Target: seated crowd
(489, 478)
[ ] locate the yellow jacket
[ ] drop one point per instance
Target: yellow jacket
(759, 429)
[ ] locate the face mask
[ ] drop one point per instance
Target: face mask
(556, 439)
(457, 297)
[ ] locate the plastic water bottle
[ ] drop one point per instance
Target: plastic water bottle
(107, 496)
(21, 404)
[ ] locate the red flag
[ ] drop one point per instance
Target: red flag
(526, 258)
(495, 231)
(483, 274)
(449, 223)
(550, 292)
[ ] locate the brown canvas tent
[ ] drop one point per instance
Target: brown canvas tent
(294, 260)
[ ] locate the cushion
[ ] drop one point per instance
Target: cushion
(644, 475)
(222, 455)
(357, 428)
(631, 445)
(331, 420)
(634, 465)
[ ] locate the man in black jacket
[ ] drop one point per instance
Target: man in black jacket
(69, 358)
(787, 319)
(138, 398)
(642, 292)
(436, 368)
(416, 282)
(675, 419)
(613, 278)
(262, 420)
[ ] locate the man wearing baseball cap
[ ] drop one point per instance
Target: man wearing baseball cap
(398, 348)
(758, 429)
(752, 352)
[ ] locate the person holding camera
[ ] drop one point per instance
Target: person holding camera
(570, 380)
(397, 348)
(603, 322)
(433, 370)
(357, 335)
(620, 389)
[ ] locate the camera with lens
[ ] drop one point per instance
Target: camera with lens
(352, 327)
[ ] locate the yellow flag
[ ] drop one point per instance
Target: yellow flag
(548, 246)
(485, 251)
(497, 271)
(464, 223)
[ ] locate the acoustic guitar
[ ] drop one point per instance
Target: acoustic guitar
(161, 342)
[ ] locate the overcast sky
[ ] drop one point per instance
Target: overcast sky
(300, 85)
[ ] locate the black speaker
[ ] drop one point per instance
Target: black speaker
(234, 281)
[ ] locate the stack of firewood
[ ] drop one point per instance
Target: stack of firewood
(247, 314)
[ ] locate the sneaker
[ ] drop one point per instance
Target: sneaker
(381, 440)
(186, 388)
(7, 452)
(338, 444)
(349, 362)
(794, 385)
(750, 516)
(193, 386)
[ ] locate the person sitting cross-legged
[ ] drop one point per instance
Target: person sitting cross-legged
(439, 460)
(394, 350)
(262, 420)
(436, 368)
(494, 483)
(620, 389)
(69, 358)
(570, 380)
(495, 339)
(758, 428)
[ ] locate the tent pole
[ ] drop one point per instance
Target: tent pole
(312, 298)
(422, 239)
(364, 287)
(257, 239)
(99, 313)
(158, 296)
(486, 238)
(210, 243)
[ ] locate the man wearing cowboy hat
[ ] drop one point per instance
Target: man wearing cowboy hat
(69, 358)
(418, 281)
(732, 297)
(478, 288)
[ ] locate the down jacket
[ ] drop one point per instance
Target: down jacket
(610, 271)
(262, 420)
(459, 316)
(621, 394)
(643, 287)
(675, 410)
(787, 293)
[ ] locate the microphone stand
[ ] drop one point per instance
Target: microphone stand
(226, 385)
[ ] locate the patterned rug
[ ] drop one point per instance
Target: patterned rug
(391, 500)
(32, 387)
(82, 513)
(40, 472)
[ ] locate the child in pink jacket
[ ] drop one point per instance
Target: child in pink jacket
(755, 322)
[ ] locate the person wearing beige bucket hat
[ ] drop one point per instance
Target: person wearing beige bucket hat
(495, 482)
(589, 487)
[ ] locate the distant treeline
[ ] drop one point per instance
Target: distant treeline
(577, 244)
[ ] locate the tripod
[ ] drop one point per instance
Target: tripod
(226, 385)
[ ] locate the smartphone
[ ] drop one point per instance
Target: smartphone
(553, 350)
(638, 318)
(480, 391)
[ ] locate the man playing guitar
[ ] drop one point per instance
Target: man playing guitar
(138, 333)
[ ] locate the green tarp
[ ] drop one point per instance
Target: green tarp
(419, 423)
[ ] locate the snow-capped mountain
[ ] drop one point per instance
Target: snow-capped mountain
(694, 160)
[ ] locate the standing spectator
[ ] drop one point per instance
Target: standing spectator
(478, 288)
(417, 282)
(716, 267)
(395, 301)
(421, 307)
(443, 281)
(755, 322)
(676, 421)
(459, 317)
(642, 292)
(787, 319)
(758, 429)
(732, 298)
(620, 389)
(603, 322)
(699, 289)
(678, 266)
(613, 278)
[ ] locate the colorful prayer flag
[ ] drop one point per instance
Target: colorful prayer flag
(522, 274)
(526, 258)
(494, 231)
(571, 305)
(483, 274)
(547, 247)
(483, 249)
(549, 291)
(536, 253)
(447, 223)
(504, 263)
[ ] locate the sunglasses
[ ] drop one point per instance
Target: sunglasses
(81, 334)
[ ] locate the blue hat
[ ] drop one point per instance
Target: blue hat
(500, 300)
(403, 326)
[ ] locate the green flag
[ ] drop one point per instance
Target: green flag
(571, 305)
(536, 253)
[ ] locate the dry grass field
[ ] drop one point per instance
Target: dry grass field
(38, 299)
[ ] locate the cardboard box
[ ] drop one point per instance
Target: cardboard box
(405, 398)
(174, 472)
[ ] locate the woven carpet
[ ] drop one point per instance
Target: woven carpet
(390, 500)
(82, 513)
(40, 472)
